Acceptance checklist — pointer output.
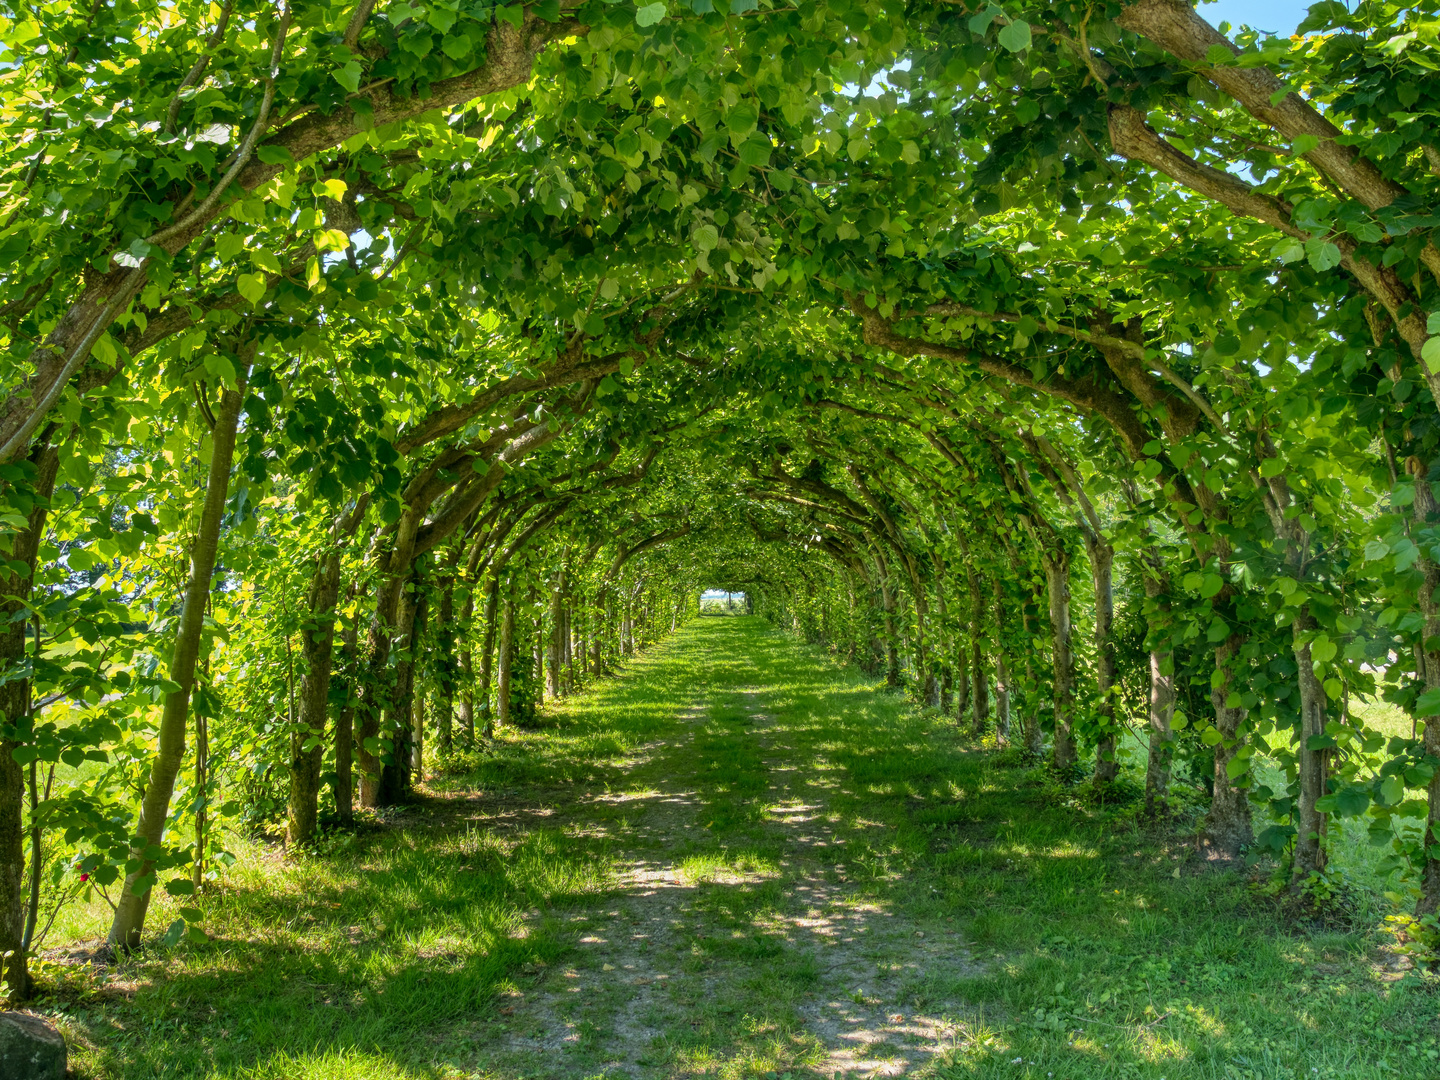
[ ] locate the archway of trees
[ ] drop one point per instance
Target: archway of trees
(373, 372)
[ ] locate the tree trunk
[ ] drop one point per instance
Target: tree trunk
(1162, 695)
(597, 643)
(1002, 666)
(1309, 821)
(962, 682)
(1034, 737)
(981, 689)
(506, 653)
(1002, 699)
(395, 768)
(15, 590)
(1102, 563)
(129, 921)
(344, 734)
(307, 745)
(553, 646)
(1227, 825)
(892, 657)
(446, 667)
(378, 685)
(487, 658)
(1162, 738)
(1425, 514)
(1057, 582)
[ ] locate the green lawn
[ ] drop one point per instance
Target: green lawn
(736, 860)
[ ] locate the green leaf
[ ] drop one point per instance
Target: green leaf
(1288, 250)
(1351, 802)
(331, 240)
(251, 287)
(1392, 790)
(981, 22)
(1016, 36)
(1430, 352)
(456, 46)
(650, 14)
(1323, 254)
(171, 937)
(706, 237)
(228, 246)
(755, 151)
(329, 189)
(441, 18)
(348, 76)
(1272, 467)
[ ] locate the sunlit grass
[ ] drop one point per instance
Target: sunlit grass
(1089, 944)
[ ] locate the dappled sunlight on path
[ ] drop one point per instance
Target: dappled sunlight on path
(745, 929)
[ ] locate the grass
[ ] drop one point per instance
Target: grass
(711, 866)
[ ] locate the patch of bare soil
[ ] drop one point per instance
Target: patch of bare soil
(656, 986)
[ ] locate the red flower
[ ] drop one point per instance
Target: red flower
(84, 877)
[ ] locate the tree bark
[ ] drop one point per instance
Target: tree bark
(980, 691)
(962, 681)
(892, 656)
(1102, 563)
(129, 921)
(554, 648)
(487, 659)
(506, 653)
(1427, 516)
(446, 667)
(344, 733)
(1227, 825)
(1002, 667)
(1309, 821)
(307, 746)
(15, 591)
(1057, 584)
(1034, 737)
(396, 767)
(1162, 699)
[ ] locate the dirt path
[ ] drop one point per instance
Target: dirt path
(738, 937)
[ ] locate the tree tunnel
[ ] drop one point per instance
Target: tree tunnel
(370, 384)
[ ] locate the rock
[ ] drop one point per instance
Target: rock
(30, 1048)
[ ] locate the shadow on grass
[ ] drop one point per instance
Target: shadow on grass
(790, 814)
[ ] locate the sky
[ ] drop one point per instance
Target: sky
(1279, 16)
